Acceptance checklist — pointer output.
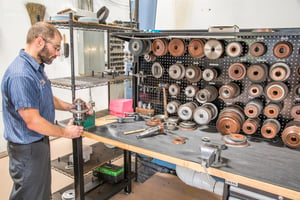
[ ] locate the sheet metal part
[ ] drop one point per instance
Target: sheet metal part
(176, 47)
(279, 71)
(291, 134)
(251, 126)
(213, 49)
(234, 49)
(270, 128)
(257, 49)
(257, 73)
(283, 49)
(207, 94)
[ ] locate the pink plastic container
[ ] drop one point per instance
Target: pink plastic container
(118, 107)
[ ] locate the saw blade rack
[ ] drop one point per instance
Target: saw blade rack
(148, 92)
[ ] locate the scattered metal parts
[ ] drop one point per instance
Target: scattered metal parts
(185, 111)
(172, 106)
(234, 49)
(253, 108)
(151, 132)
(139, 47)
(255, 90)
(283, 49)
(135, 117)
(170, 125)
(196, 48)
(187, 125)
(174, 89)
(190, 91)
(177, 71)
(251, 125)
(213, 49)
(157, 70)
(237, 71)
(178, 140)
(276, 91)
(270, 128)
(205, 139)
(159, 47)
(257, 73)
(235, 140)
(295, 112)
(230, 120)
(209, 74)
(279, 72)
(257, 49)
(173, 119)
(149, 57)
(193, 73)
(177, 47)
(153, 122)
(229, 91)
(291, 134)
(272, 110)
(205, 113)
(207, 94)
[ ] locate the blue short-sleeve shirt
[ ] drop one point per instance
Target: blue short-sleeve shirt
(25, 85)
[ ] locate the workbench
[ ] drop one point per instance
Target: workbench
(260, 165)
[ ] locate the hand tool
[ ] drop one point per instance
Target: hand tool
(134, 131)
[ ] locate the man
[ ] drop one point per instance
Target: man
(28, 114)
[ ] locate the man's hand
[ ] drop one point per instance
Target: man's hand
(72, 131)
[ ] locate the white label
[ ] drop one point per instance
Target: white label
(232, 183)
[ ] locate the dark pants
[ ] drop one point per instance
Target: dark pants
(30, 169)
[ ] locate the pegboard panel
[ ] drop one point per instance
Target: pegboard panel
(151, 95)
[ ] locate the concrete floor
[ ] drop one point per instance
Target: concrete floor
(169, 186)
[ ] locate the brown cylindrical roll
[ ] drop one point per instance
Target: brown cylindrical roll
(234, 49)
(229, 91)
(270, 128)
(237, 71)
(159, 47)
(251, 125)
(193, 73)
(253, 108)
(257, 49)
(207, 94)
(279, 72)
(272, 110)
(230, 120)
(257, 73)
(196, 48)
(291, 134)
(276, 91)
(283, 49)
(255, 90)
(177, 47)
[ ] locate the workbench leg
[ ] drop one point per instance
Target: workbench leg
(78, 169)
(127, 170)
(225, 191)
